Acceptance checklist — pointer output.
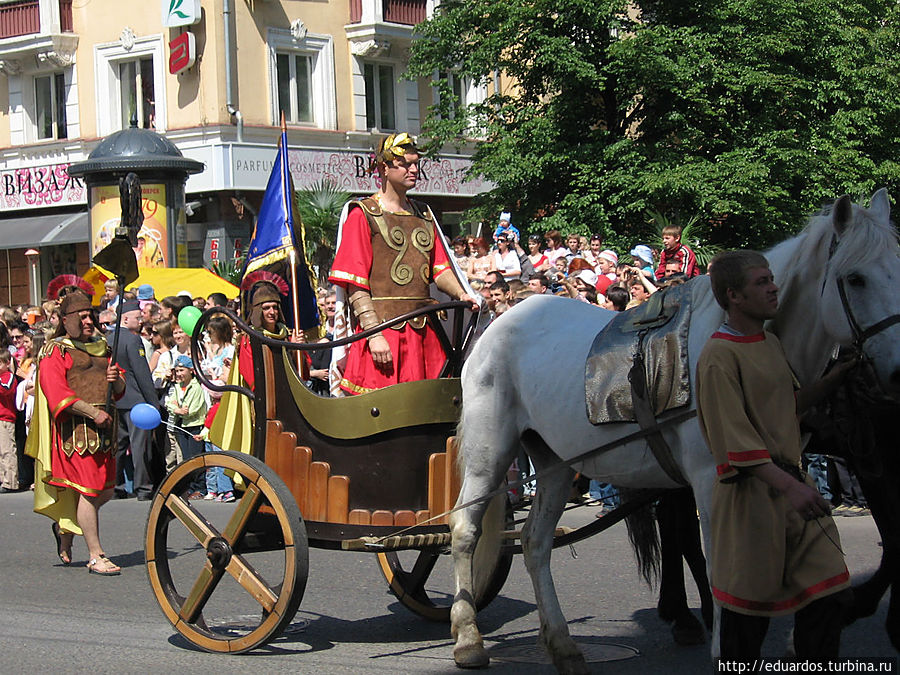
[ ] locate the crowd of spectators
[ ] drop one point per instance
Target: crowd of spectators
(573, 266)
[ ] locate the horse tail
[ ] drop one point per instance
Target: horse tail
(644, 538)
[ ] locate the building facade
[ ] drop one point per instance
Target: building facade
(214, 77)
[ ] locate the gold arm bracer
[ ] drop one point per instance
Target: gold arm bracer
(364, 310)
(84, 409)
(449, 284)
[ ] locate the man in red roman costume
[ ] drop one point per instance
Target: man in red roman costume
(775, 548)
(390, 250)
(73, 435)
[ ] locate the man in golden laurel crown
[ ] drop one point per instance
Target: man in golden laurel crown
(390, 249)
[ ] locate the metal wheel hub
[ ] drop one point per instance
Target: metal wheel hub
(219, 553)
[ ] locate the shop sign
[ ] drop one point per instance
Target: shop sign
(177, 13)
(40, 186)
(182, 52)
(439, 175)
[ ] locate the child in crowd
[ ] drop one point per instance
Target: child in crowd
(218, 485)
(643, 258)
(506, 228)
(461, 252)
(558, 274)
(9, 465)
(186, 404)
(673, 249)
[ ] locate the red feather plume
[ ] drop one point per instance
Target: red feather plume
(63, 280)
(254, 278)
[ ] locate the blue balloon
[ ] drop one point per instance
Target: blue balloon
(145, 416)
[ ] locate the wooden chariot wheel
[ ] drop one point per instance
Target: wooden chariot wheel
(228, 576)
(412, 579)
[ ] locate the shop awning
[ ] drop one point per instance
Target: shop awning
(47, 230)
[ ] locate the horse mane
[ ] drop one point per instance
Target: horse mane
(808, 253)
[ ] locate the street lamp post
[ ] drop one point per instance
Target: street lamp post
(34, 276)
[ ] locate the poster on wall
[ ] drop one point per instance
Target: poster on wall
(153, 242)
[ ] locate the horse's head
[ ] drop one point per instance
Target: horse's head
(860, 299)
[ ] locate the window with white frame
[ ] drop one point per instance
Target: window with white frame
(295, 91)
(50, 106)
(136, 93)
(130, 79)
(43, 105)
(463, 91)
(301, 73)
(380, 96)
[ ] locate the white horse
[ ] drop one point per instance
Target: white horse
(508, 405)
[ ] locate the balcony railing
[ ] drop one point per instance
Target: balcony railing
(409, 12)
(20, 18)
(23, 17)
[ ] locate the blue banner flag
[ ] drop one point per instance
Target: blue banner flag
(275, 239)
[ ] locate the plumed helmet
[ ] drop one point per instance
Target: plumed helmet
(263, 287)
(65, 283)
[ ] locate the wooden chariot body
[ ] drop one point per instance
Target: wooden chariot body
(359, 466)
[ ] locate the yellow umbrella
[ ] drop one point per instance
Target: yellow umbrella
(198, 281)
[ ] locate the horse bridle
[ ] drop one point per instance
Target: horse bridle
(860, 334)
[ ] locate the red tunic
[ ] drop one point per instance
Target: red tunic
(87, 472)
(417, 352)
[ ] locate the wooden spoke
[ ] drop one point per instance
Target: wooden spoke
(418, 575)
(246, 508)
(192, 521)
(250, 580)
(203, 588)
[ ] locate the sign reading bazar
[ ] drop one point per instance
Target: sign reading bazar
(40, 186)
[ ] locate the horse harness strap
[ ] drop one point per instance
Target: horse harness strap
(646, 419)
(860, 335)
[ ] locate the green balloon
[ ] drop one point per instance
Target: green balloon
(187, 319)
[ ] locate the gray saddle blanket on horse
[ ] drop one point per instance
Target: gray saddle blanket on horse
(659, 327)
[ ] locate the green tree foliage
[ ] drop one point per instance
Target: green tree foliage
(743, 114)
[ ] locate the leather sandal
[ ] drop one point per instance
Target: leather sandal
(65, 557)
(109, 569)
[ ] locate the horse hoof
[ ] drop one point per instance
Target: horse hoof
(665, 613)
(687, 631)
(474, 656)
(572, 665)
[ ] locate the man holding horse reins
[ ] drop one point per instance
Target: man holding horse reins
(390, 249)
(775, 548)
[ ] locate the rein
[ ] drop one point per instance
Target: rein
(637, 435)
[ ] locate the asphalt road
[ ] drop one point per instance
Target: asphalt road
(61, 619)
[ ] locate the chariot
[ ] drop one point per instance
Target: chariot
(375, 472)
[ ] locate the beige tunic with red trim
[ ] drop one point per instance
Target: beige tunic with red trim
(765, 559)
